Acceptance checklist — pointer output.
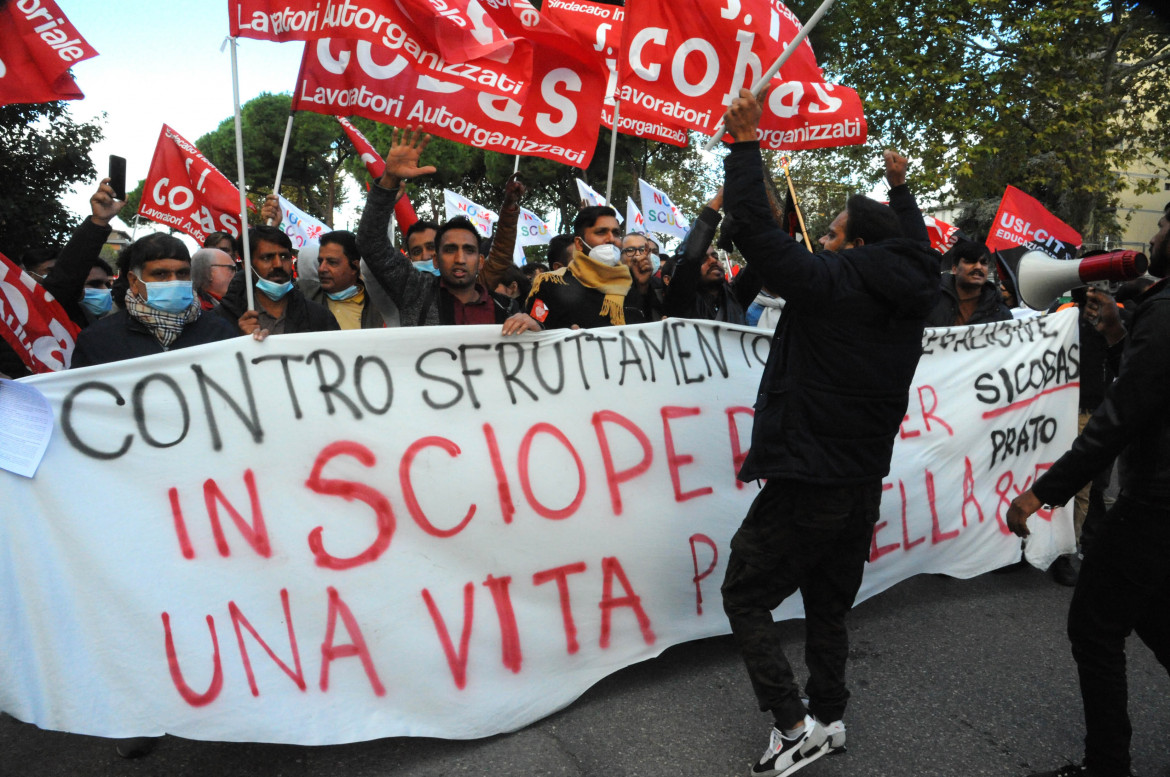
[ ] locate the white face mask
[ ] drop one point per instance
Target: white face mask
(606, 253)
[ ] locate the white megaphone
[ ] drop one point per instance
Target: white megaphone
(1043, 279)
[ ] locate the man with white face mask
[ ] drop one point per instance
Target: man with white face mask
(161, 312)
(596, 289)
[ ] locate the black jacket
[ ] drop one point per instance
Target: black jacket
(835, 387)
(119, 336)
(301, 314)
(568, 303)
(685, 297)
(1133, 421)
(989, 308)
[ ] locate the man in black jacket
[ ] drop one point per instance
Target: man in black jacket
(967, 296)
(1124, 582)
(161, 312)
(833, 393)
(281, 307)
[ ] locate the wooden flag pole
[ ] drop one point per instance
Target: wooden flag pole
(795, 204)
(240, 174)
(283, 154)
(765, 79)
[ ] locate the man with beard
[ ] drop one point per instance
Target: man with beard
(1124, 581)
(831, 399)
(968, 297)
(281, 307)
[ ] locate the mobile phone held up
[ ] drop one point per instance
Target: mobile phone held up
(118, 176)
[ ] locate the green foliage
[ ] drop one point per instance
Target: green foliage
(1053, 98)
(317, 152)
(43, 152)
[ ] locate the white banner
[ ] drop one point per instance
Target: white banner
(590, 196)
(335, 537)
(531, 230)
(637, 223)
(662, 216)
(301, 228)
(458, 205)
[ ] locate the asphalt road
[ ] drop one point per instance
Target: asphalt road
(949, 677)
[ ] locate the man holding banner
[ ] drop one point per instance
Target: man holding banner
(1124, 582)
(831, 399)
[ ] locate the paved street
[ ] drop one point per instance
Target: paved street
(950, 677)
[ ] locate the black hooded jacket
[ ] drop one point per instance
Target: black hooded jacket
(835, 387)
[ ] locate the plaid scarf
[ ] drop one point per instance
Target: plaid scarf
(166, 327)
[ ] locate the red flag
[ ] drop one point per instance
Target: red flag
(598, 29)
(685, 67)
(942, 234)
(184, 190)
(38, 45)
(33, 323)
(453, 40)
(558, 121)
(1022, 221)
(375, 166)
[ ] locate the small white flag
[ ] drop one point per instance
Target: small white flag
(458, 205)
(531, 230)
(634, 217)
(661, 214)
(591, 197)
(301, 228)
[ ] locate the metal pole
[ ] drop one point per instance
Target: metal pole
(766, 78)
(617, 104)
(240, 173)
(283, 154)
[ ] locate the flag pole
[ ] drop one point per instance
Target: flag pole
(240, 173)
(613, 133)
(283, 154)
(766, 78)
(795, 204)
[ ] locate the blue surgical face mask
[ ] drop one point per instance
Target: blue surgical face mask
(274, 291)
(344, 294)
(170, 296)
(97, 301)
(427, 266)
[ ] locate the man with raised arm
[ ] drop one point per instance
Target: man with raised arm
(461, 292)
(833, 393)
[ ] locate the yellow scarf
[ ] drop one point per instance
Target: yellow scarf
(614, 282)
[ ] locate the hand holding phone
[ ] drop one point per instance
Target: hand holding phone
(118, 176)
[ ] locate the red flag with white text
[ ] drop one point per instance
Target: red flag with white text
(558, 121)
(942, 234)
(375, 166)
(33, 322)
(598, 29)
(186, 192)
(38, 45)
(454, 40)
(1021, 225)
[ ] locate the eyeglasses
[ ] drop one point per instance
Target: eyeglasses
(283, 256)
(635, 251)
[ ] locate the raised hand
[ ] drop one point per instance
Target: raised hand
(896, 165)
(406, 149)
(103, 204)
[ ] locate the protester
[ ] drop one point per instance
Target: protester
(698, 284)
(1124, 581)
(282, 308)
(560, 251)
(223, 241)
(968, 296)
(212, 271)
(514, 284)
(636, 256)
(532, 269)
(38, 261)
(595, 289)
(420, 245)
(161, 312)
(832, 396)
(458, 293)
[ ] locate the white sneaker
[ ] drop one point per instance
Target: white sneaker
(836, 732)
(785, 756)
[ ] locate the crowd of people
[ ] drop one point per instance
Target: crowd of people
(848, 326)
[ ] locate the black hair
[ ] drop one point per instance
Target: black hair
(964, 249)
(152, 247)
(419, 226)
(347, 241)
(513, 274)
(870, 221)
(268, 234)
(103, 265)
(588, 216)
(557, 247)
(532, 269)
(35, 256)
(458, 222)
(213, 240)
